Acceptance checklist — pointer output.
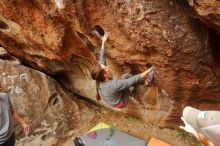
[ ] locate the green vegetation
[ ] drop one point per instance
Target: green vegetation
(179, 133)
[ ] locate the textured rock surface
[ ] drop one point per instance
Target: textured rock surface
(49, 110)
(208, 11)
(56, 117)
(42, 38)
(49, 36)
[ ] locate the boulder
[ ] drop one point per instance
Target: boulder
(208, 12)
(55, 38)
(50, 110)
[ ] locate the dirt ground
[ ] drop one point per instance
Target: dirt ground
(141, 129)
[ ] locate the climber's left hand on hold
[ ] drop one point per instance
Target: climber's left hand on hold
(105, 36)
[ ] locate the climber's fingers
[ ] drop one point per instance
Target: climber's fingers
(105, 36)
(150, 69)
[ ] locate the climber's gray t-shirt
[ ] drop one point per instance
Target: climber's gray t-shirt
(113, 91)
(6, 123)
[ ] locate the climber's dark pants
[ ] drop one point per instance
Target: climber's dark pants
(10, 141)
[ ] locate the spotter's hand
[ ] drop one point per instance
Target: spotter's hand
(187, 127)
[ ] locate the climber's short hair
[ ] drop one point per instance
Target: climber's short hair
(98, 74)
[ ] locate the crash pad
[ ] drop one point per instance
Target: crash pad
(157, 142)
(105, 135)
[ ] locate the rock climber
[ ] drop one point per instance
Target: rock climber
(204, 125)
(115, 93)
(7, 113)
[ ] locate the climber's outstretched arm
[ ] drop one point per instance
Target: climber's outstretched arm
(102, 51)
(145, 73)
